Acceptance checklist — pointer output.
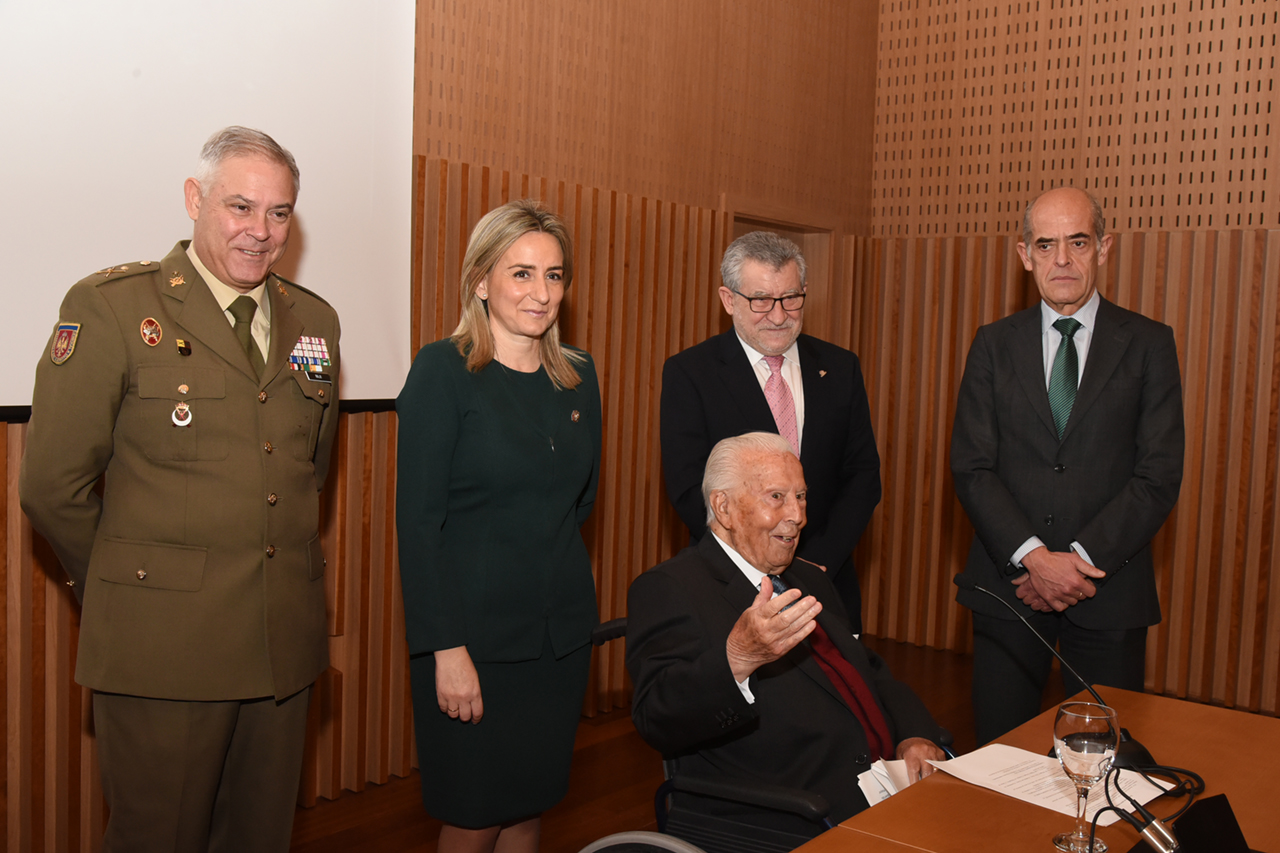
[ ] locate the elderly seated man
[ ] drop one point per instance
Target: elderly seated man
(742, 657)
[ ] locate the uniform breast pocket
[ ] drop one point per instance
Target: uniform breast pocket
(310, 400)
(184, 412)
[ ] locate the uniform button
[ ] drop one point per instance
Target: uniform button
(271, 550)
(272, 498)
(320, 393)
(142, 574)
(860, 759)
(1059, 468)
(267, 447)
(1048, 520)
(262, 396)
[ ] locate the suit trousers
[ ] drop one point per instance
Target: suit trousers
(1011, 668)
(200, 776)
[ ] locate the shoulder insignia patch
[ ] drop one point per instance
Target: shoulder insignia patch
(64, 342)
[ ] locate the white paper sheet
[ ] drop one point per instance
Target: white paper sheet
(883, 780)
(1039, 780)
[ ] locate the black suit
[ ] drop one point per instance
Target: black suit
(799, 732)
(1109, 483)
(710, 392)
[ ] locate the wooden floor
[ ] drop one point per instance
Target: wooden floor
(613, 778)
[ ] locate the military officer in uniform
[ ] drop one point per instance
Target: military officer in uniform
(181, 429)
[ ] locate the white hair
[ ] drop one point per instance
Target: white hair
(724, 469)
(236, 141)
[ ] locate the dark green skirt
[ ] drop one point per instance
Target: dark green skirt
(514, 763)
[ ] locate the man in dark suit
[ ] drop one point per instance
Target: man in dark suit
(1067, 456)
(201, 393)
(738, 680)
(765, 375)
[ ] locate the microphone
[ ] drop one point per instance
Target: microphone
(1129, 754)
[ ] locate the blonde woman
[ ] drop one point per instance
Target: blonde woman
(498, 460)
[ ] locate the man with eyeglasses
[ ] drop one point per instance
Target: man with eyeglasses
(763, 375)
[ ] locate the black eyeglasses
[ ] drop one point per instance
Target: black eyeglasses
(764, 304)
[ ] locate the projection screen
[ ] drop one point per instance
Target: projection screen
(106, 104)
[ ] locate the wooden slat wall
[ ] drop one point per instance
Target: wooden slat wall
(917, 304)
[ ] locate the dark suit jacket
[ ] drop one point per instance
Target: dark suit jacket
(798, 733)
(200, 567)
(710, 392)
(1109, 483)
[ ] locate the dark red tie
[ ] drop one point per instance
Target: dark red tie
(850, 684)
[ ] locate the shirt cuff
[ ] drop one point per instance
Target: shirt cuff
(1027, 547)
(746, 690)
(1079, 549)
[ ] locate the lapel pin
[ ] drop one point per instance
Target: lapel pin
(151, 331)
(821, 373)
(176, 279)
(574, 416)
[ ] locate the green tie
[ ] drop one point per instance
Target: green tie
(243, 309)
(1064, 374)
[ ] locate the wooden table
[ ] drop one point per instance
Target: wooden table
(1234, 751)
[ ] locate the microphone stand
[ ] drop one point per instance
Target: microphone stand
(1130, 754)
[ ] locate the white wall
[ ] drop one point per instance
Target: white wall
(105, 104)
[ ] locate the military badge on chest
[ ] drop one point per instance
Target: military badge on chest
(311, 356)
(151, 331)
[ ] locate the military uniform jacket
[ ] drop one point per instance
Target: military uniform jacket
(199, 568)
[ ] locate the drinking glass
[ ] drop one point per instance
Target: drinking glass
(1085, 737)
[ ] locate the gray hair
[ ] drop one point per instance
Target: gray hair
(763, 247)
(236, 141)
(724, 468)
(1099, 220)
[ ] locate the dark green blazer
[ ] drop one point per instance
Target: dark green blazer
(490, 497)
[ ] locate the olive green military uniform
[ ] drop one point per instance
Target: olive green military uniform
(199, 569)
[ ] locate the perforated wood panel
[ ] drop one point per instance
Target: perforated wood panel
(1164, 110)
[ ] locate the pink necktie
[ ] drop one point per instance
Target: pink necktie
(780, 402)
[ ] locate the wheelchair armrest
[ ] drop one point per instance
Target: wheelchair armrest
(810, 806)
(606, 631)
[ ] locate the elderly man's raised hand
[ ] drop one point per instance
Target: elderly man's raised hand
(769, 628)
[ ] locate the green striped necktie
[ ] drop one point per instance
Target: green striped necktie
(1064, 375)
